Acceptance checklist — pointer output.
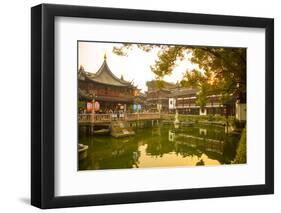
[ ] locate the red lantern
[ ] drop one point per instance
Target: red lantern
(96, 106)
(89, 107)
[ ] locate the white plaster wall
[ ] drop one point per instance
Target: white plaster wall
(241, 112)
(172, 103)
(203, 111)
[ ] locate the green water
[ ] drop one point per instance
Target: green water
(160, 146)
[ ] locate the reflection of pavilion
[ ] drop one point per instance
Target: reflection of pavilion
(113, 154)
(200, 142)
(190, 144)
(208, 144)
(111, 92)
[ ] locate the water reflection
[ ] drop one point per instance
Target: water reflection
(161, 146)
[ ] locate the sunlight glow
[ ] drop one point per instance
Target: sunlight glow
(134, 67)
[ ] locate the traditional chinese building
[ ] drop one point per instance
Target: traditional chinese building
(168, 97)
(157, 95)
(112, 93)
(184, 100)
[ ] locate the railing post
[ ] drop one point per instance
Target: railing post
(92, 118)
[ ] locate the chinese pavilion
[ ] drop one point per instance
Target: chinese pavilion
(112, 93)
(158, 93)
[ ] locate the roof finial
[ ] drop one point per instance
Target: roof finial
(104, 56)
(81, 68)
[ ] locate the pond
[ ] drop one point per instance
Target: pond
(160, 146)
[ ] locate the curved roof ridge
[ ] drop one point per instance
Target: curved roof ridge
(105, 76)
(105, 67)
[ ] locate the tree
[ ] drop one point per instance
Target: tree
(220, 70)
(224, 70)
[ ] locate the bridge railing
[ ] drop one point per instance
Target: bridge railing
(96, 118)
(131, 116)
(83, 118)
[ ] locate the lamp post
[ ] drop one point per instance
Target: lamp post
(226, 111)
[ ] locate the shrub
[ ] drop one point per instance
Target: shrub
(238, 124)
(241, 153)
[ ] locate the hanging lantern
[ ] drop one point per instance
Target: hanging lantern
(96, 106)
(89, 107)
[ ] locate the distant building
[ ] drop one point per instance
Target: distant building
(116, 94)
(184, 101)
(169, 97)
(157, 95)
(111, 92)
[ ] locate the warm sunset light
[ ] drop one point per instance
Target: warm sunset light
(134, 67)
(146, 105)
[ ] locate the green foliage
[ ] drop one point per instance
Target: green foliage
(224, 72)
(201, 99)
(237, 124)
(221, 70)
(124, 48)
(193, 78)
(159, 84)
(241, 153)
(81, 105)
(166, 62)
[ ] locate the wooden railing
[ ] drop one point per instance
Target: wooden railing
(100, 118)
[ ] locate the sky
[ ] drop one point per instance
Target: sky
(134, 67)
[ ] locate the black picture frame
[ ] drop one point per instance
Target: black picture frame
(43, 110)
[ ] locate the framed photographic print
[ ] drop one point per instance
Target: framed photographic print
(140, 106)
